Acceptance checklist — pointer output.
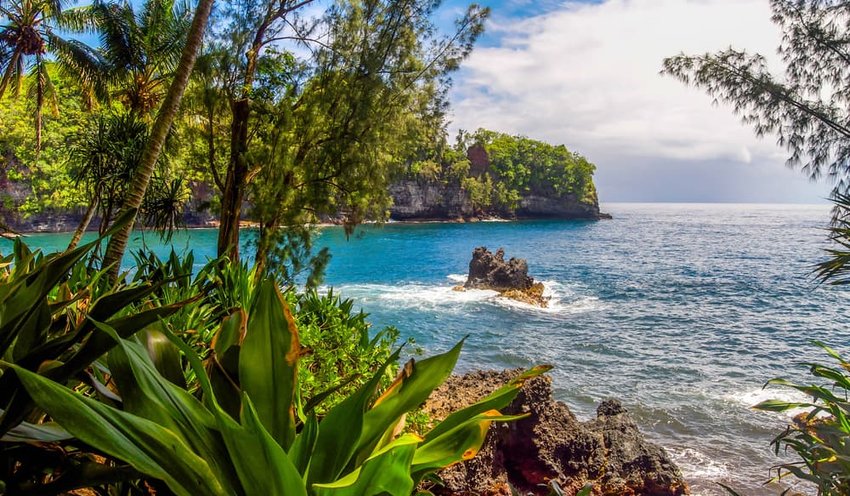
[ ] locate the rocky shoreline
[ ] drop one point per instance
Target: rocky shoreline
(551, 447)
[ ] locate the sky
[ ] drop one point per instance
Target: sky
(586, 74)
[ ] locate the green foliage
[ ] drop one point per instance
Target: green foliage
(516, 166)
(835, 269)
(198, 446)
(46, 180)
(46, 307)
(521, 165)
(480, 190)
(820, 437)
(340, 353)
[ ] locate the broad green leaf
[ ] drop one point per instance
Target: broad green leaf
(458, 444)
(261, 464)
(231, 332)
(165, 356)
(47, 432)
(780, 406)
(410, 389)
(305, 443)
(340, 431)
(148, 394)
(268, 362)
(386, 472)
(148, 447)
(497, 400)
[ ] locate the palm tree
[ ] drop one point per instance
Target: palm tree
(140, 50)
(162, 125)
(28, 38)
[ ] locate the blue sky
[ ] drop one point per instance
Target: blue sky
(586, 74)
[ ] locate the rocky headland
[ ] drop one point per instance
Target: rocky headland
(551, 446)
(424, 200)
(488, 270)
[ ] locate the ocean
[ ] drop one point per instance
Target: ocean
(681, 311)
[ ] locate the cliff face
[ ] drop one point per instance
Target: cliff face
(415, 199)
(425, 200)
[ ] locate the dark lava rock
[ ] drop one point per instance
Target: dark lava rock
(551, 445)
(490, 271)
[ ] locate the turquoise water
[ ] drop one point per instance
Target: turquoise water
(681, 311)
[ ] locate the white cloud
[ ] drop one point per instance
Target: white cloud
(587, 75)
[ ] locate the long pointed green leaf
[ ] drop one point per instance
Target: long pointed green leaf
(262, 465)
(340, 431)
(460, 443)
(145, 445)
(497, 400)
(148, 394)
(386, 472)
(305, 443)
(409, 391)
(268, 362)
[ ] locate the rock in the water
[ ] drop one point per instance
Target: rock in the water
(551, 445)
(489, 270)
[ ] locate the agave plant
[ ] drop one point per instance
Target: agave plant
(245, 432)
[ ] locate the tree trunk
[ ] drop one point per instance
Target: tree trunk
(235, 182)
(141, 179)
(84, 224)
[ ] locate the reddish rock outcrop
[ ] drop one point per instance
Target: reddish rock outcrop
(551, 445)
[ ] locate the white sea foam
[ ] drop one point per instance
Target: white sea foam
(563, 300)
(697, 465)
(753, 397)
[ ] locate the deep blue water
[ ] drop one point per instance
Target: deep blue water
(681, 311)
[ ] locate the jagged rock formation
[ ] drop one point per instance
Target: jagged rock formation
(551, 445)
(489, 270)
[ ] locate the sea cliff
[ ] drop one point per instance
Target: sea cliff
(425, 200)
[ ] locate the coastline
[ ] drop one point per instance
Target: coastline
(214, 224)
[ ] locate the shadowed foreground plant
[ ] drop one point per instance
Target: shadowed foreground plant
(248, 435)
(47, 307)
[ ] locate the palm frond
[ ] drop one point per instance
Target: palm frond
(116, 38)
(836, 269)
(83, 63)
(12, 74)
(77, 20)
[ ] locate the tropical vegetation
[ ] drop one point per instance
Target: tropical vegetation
(498, 169)
(230, 378)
